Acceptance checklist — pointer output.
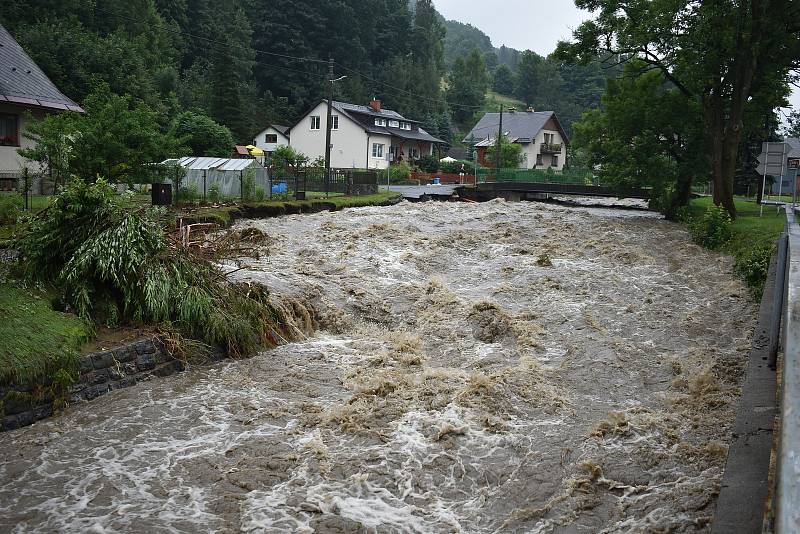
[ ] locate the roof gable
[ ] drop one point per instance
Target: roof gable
(22, 82)
(517, 125)
(350, 110)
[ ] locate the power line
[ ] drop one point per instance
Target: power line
(407, 93)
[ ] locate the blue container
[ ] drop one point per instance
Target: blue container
(437, 181)
(278, 188)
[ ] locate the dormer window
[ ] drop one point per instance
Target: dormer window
(380, 122)
(405, 126)
(394, 124)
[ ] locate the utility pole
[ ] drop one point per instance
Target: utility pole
(499, 146)
(328, 126)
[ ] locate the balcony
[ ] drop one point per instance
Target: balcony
(550, 148)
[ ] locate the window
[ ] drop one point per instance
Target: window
(9, 134)
(335, 122)
(539, 160)
(405, 126)
(555, 161)
(394, 124)
(414, 153)
(271, 138)
(377, 150)
(380, 122)
(315, 122)
(548, 139)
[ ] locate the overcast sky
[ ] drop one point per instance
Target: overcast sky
(535, 25)
(522, 24)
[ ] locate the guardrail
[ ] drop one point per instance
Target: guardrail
(787, 490)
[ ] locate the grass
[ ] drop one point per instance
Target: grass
(493, 100)
(225, 215)
(753, 237)
(36, 342)
(750, 228)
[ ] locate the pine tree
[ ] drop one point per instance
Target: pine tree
(446, 129)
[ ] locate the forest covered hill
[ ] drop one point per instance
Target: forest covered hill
(248, 62)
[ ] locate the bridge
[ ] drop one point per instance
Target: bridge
(518, 190)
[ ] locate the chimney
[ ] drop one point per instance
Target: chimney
(531, 110)
(375, 105)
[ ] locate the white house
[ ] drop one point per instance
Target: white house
(544, 143)
(24, 89)
(362, 137)
(273, 136)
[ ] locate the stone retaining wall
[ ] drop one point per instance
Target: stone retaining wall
(101, 372)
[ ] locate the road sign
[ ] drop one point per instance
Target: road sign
(771, 160)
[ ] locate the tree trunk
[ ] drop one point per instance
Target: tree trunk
(683, 192)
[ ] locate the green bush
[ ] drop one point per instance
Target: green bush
(249, 185)
(713, 229)
(428, 164)
(400, 172)
(213, 192)
(454, 167)
(115, 265)
(753, 267)
(10, 204)
(260, 194)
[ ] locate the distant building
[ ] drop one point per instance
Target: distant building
(363, 137)
(24, 89)
(273, 136)
(544, 142)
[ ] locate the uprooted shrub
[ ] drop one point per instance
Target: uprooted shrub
(115, 265)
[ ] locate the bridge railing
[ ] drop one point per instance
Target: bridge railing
(566, 176)
(787, 308)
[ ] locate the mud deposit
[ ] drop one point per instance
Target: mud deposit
(498, 367)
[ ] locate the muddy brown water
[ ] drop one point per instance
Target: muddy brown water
(500, 367)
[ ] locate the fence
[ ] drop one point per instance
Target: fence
(567, 176)
(426, 178)
(787, 490)
(344, 181)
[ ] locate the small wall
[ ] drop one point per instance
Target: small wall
(100, 373)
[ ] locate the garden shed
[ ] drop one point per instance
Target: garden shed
(230, 175)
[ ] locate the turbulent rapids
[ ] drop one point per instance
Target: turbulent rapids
(475, 368)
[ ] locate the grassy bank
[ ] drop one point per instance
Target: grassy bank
(226, 215)
(752, 240)
(36, 342)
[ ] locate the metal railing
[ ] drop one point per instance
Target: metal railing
(566, 176)
(787, 307)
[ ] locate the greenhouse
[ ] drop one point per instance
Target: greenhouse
(231, 176)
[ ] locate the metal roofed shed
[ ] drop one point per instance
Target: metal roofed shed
(229, 174)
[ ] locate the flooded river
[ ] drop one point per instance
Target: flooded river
(497, 367)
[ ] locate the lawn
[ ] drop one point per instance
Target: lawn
(753, 236)
(751, 227)
(35, 341)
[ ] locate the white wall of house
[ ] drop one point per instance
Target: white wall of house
(352, 146)
(261, 140)
(10, 160)
(547, 159)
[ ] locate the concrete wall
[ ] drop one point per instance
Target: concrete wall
(352, 146)
(100, 373)
(10, 160)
